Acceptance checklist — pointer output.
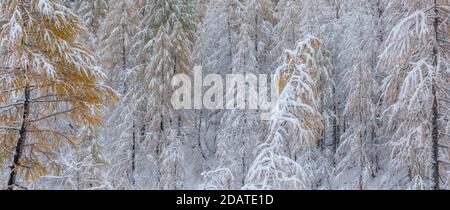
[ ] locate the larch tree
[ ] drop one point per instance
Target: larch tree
(173, 171)
(90, 163)
(169, 32)
(115, 52)
(87, 162)
(261, 22)
(49, 83)
(217, 35)
(295, 21)
(415, 93)
(83, 167)
(214, 51)
(93, 13)
(313, 19)
(286, 30)
(332, 35)
(357, 25)
(242, 126)
(357, 142)
(289, 158)
(116, 41)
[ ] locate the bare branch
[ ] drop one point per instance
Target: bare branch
(52, 115)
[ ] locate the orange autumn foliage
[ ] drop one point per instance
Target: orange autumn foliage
(65, 84)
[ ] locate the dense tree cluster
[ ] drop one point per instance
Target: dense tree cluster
(86, 88)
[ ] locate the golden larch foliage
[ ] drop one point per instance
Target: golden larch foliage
(64, 83)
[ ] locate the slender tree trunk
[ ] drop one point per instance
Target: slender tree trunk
(435, 144)
(336, 120)
(244, 157)
(78, 178)
(362, 133)
(162, 128)
(230, 39)
(435, 112)
(143, 131)
(95, 29)
(257, 42)
(22, 140)
(199, 137)
(336, 134)
(176, 176)
(179, 122)
(124, 59)
(133, 156)
(361, 163)
(378, 12)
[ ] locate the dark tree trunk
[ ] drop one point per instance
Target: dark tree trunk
(199, 137)
(133, 156)
(435, 144)
(336, 129)
(124, 59)
(435, 111)
(257, 42)
(22, 140)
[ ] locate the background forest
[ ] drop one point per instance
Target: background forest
(85, 89)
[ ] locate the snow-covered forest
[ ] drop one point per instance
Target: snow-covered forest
(86, 88)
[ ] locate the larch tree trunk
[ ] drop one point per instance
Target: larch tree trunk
(12, 182)
(435, 109)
